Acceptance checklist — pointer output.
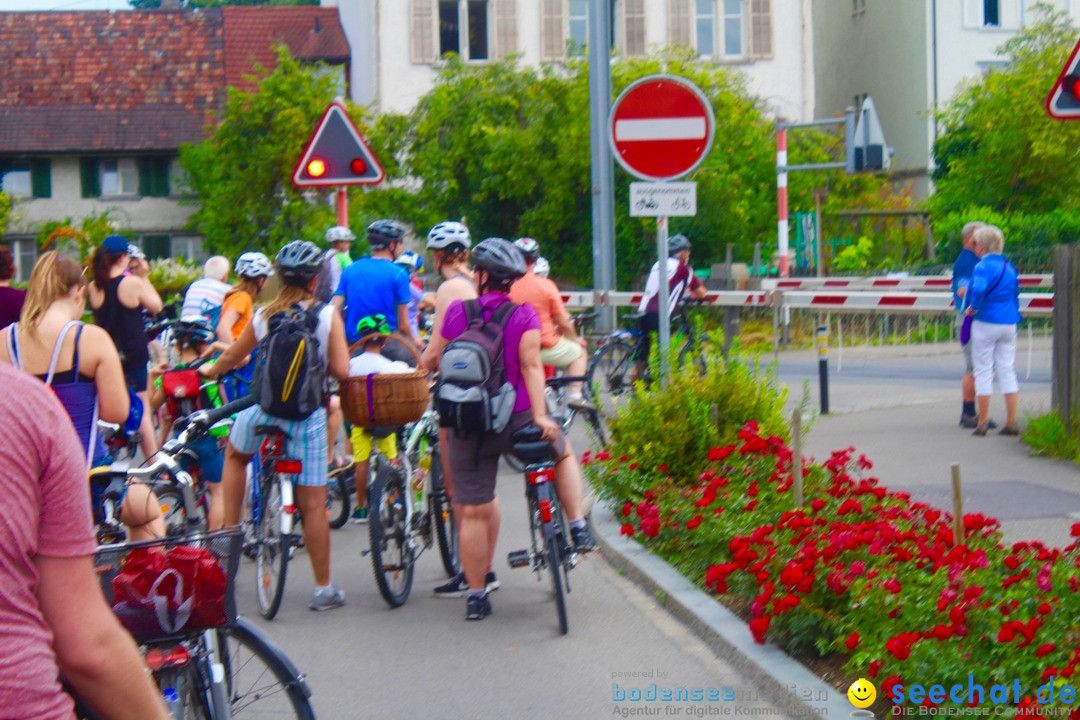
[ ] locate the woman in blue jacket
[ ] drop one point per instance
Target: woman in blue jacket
(993, 298)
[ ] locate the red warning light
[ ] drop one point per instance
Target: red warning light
(358, 166)
(316, 168)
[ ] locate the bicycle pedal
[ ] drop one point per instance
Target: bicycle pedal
(519, 558)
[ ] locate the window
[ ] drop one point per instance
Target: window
(733, 28)
(634, 37)
(26, 178)
(578, 27)
(719, 27)
(464, 24)
(17, 179)
(704, 27)
(118, 177)
(991, 13)
(156, 246)
(858, 8)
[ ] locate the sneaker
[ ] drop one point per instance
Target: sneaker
(578, 402)
(327, 598)
(457, 587)
(969, 421)
(477, 608)
(583, 539)
(359, 516)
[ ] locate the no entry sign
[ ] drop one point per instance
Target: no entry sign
(661, 127)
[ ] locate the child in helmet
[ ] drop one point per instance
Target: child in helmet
(413, 264)
(373, 331)
(183, 391)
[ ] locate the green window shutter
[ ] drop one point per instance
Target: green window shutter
(146, 170)
(89, 178)
(41, 178)
(156, 246)
(160, 177)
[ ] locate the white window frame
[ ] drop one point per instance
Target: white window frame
(720, 18)
(463, 30)
(18, 181)
(125, 170)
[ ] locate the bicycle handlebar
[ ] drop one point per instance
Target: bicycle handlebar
(206, 418)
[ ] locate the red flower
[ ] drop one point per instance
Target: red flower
(627, 508)
(817, 504)
(662, 467)
(650, 526)
(1012, 562)
(1045, 649)
(1044, 608)
(852, 642)
(626, 529)
(758, 627)
(717, 454)
(892, 585)
(875, 668)
(1075, 530)
(694, 522)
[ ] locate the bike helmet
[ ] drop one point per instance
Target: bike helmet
(383, 232)
(253, 265)
(410, 261)
(373, 324)
(299, 261)
(448, 236)
(499, 258)
(541, 267)
(339, 233)
(676, 244)
(529, 248)
(193, 330)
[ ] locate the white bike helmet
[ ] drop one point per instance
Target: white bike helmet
(447, 234)
(339, 233)
(541, 267)
(529, 248)
(253, 265)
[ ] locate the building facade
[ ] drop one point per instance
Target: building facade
(397, 44)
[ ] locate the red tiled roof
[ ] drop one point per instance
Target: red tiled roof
(76, 81)
(140, 80)
(311, 33)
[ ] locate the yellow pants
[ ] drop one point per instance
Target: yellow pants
(362, 443)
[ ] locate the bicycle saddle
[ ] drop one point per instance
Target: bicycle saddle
(528, 445)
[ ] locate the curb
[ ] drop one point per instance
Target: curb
(788, 684)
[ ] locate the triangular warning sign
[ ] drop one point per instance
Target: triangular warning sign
(1063, 102)
(337, 154)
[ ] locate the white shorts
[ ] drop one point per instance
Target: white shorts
(562, 353)
(993, 348)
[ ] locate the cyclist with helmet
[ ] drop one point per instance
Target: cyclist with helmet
(449, 245)
(474, 461)
(374, 285)
(542, 267)
(413, 264)
(238, 307)
(298, 265)
(560, 345)
(681, 280)
(337, 258)
(181, 390)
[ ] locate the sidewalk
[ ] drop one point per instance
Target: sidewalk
(901, 406)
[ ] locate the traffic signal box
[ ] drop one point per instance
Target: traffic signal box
(337, 154)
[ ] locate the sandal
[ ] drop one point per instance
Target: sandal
(1011, 430)
(982, 430)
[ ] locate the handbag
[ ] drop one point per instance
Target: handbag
(965, 324)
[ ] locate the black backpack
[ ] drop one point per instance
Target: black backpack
(473, 395)
(290, 377)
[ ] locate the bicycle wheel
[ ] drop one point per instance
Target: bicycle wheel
(338, 502)
(612, 367)
(391, 557)
(442, 514)
(691, 353)
(271, 550)
(553, 559)
(261, 681)
(171, 502)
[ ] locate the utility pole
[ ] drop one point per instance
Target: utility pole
(602, 172)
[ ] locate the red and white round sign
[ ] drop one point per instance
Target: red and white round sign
(661, 127)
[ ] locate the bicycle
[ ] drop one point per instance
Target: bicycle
(557, 397)
(410, 511)
(548, 530)
(212, 673)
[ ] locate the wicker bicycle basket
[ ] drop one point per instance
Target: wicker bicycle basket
(384, 399)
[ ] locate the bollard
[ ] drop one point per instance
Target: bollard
(796, 457)
(958, 506)
(823, 366)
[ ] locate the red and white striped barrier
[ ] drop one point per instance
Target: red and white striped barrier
(1034, 304)
(919, 282)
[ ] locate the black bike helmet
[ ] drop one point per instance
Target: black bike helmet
(676, 244)
(529, 248)
(502, 261)
(383, 232)
(192, 331)
(299, 261)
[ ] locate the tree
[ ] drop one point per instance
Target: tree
(507, 148)
(1000, 150)
(240, 175)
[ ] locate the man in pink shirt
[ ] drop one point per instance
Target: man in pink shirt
(53, 616)
(560, 345)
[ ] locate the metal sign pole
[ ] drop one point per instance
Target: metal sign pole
(663, 297)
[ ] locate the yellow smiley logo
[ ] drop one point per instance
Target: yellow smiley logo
(862, 693)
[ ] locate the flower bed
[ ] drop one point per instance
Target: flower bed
(858, 570)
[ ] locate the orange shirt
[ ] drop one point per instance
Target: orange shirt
(242, 303)
(544, 297)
